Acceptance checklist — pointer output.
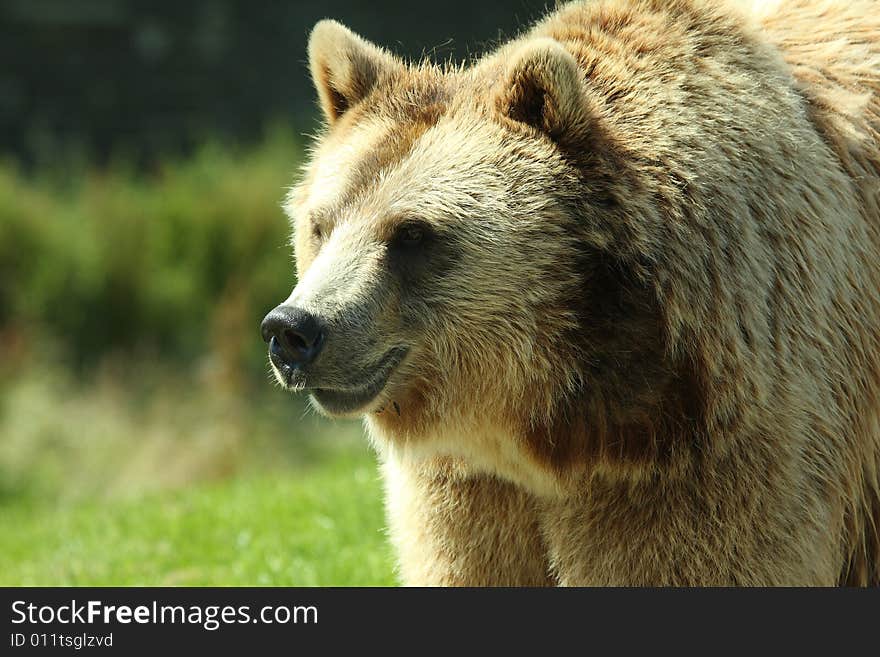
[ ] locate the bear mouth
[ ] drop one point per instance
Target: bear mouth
(350, 399)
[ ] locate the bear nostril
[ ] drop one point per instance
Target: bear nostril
(295, 341)
(275, 347)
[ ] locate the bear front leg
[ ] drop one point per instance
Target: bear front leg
(664, 533)
(455, 528)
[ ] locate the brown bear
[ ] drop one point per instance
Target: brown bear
(608, 297)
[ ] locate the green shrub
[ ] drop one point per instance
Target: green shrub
(179, 265)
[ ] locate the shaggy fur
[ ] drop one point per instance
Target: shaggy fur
(640, 306)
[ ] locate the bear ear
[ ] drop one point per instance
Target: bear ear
(543, 86)
(344, 67)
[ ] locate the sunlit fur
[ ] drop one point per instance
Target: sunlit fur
(648, 351)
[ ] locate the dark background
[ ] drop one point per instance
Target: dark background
(157, 77)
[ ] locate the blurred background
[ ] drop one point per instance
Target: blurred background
(145, 148)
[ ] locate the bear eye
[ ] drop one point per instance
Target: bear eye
(411, 233)
(318, 232)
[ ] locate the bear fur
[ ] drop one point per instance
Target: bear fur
(621, 279)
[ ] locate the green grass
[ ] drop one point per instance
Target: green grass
(319, 526)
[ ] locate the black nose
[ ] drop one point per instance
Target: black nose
(294, 336)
